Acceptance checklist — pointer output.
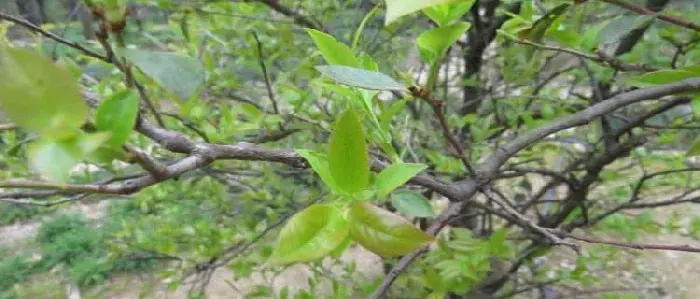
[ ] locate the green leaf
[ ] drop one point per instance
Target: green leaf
(319, 163)
(383, 232)
(338, 251)
(38, 95)
(694, 149)
(539, 28)
(618, 28)
(412, 204)
(53, 159)
(661, 77)
(444, 14)
(180, 75)
(433, 43)
(117, 115)
(396, 175)
(360, 78)
(335, 52)
(347, 154)
(310, 234)
(399, 8)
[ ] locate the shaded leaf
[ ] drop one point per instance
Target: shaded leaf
(348, 159)
(360, 78)
(310, 234)
(399, 8)
(181, 75)
(412, 204)
(38, 95)
(335, 52)
(618, 28)
(433, 43)
(396, 175)
(117, 115)
(383, 232)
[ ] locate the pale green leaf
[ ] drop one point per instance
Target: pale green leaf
(335, 52)
(319, 163)
(433, 43)
(310, 234)
(444, 14)
(399, 8)
(412, 204)
(38, 95)
(360, 78)
(396, 175)
(117, 115)
(180, 75)
(383, 232)
(348, 159)
(53, 159)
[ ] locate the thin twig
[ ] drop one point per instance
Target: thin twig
(638, 246)
(268, 85)
(643, 10)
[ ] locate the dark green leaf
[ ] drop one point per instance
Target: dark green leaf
(335, 52)
(396, 175)
(348, 159)
(117, 115)
(360, 78)
(412, 204)
(310, 234)
(38, 95)
(181, 75)
(383, 232)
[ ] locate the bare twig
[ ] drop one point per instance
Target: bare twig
(638, 246)
(643, 10)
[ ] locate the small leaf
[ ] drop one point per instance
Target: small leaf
(335, 52)
(383, 232)
(38, 95)
(360, 78)
(433, 43)
(396, 175)
(618, 28)
(661, 77)
(117, 115)
(319, 163)
(444, 14)
(538, 29)
(310, 234)
(399, 8)
(412, 204)
(181, 75)
(54, 159)
(348, 159)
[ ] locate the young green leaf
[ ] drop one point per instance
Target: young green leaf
(53, 159)
(310, 234)
(396, 175)
(412, 204)
(383, 232)
(399, 8)
(433, 43)
(444, 14)
(333, 51)
(537, 30)
(38, 95)
(117, 115)
(347, 154)
(360, 78)
(181, 75)
(319, 163)
(661, 77)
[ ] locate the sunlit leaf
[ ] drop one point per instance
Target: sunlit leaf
(319, 163)
(396, 175)
(335, 52)
(117, 115)
(399, 8)
(412, 204)
(181, 75)
(348, 159)
(38, 95)
(444, 14)
(360, 78)
(433, 43)
(310, 234)
(383, 232)
(53, 159)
